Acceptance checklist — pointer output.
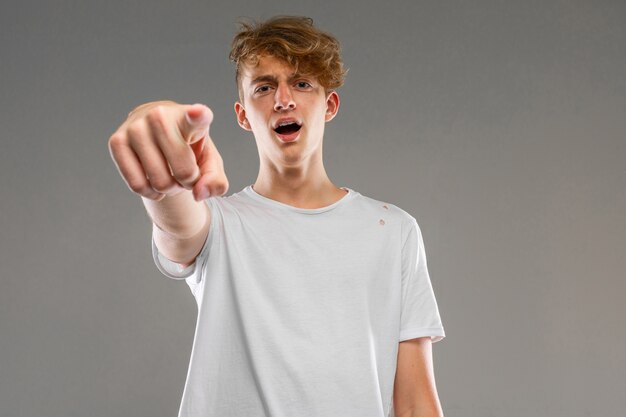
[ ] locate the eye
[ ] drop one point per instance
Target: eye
(303, 84)
(262, 89)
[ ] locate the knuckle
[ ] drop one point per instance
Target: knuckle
(116, 142)
(185, 173)
(136, 130)
(223, 186)
(115, 138)
(156, 116)
(161, 184)
(219, 187)
(137, 186)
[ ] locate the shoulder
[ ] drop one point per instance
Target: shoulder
(392, 212)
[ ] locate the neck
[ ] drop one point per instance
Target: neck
(301, 186)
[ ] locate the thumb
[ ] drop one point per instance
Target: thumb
(195, 122)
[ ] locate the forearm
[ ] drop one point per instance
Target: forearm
(421, 413)
(180, 215)
(432, 413)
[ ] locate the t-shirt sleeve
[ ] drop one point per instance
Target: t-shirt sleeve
(176, 270)
(420, 313)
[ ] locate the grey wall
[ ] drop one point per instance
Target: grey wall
(500, 125)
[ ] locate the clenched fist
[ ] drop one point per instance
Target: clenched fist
(164, 148)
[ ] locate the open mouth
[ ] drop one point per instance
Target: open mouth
(288, 128)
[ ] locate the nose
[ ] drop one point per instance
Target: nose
(284, 99)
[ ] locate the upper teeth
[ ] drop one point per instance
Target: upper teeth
(285, 123)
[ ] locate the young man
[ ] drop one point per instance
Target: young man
(313, 300)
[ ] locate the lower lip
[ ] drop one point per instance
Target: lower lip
(290, 137)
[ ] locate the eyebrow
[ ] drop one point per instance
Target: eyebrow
(274, 79)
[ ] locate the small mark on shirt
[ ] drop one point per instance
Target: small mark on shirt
(381, 222)
(385, 206)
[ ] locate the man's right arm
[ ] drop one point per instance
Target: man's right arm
(164, 153)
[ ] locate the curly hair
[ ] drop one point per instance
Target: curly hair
(294, 40)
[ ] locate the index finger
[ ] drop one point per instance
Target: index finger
(194, 122)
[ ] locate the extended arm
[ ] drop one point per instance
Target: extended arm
(165, 154)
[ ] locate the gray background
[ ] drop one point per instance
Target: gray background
(500, 125)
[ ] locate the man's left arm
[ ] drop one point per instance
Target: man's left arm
(415, 393)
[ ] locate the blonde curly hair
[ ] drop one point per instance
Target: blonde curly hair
(294, 40)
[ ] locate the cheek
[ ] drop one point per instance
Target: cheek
(259, 122)
(319, 119)
(260, 127)
(255, 118)
(258, 112)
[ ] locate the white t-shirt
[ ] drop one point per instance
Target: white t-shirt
(300, 311)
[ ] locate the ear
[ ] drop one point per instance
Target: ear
(332, 105)
(241, 117)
